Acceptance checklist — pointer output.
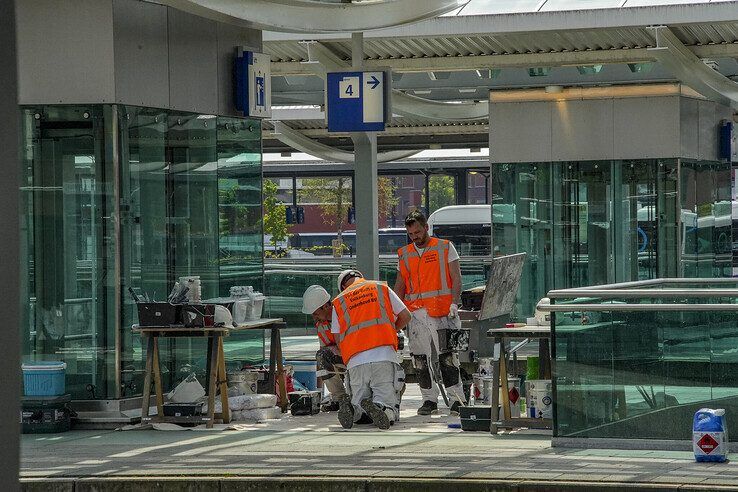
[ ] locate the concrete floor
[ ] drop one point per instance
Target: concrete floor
(303, 453)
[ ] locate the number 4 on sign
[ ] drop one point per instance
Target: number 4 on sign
(349, 88)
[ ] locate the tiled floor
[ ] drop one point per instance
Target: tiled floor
(417, 447)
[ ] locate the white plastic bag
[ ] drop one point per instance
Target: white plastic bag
(188, 391)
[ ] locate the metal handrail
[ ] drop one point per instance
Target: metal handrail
(620, 290)
(644, 293)
(567, 308)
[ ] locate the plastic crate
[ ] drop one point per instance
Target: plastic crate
(46, 378)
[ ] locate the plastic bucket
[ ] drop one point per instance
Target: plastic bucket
(44, 378)
(305, 371)
(539, 400)
(243, 382)
(484, 384)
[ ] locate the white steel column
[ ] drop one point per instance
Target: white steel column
(365, 185)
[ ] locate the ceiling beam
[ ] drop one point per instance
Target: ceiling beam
(468, 63)
(691, 70)
(466, 129)
(306, 16)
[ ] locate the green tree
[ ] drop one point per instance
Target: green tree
(442, 193)
(387, 198)
(275, 214)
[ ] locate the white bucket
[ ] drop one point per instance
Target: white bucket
(484, 383)
(243, 382)
(539, 400)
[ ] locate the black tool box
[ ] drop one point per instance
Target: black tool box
(304, 402)
(476, 418)
(46, 414)
(182, 409)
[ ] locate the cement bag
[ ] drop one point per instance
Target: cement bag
(245, 402)
(710, 435)
(260, 414)
(188, 391)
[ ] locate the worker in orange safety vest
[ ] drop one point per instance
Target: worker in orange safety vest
(366, 319)
(429, 282)
(330, 368)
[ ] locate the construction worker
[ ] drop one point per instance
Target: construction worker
(317, 302)
(367, 317)
(429, 282)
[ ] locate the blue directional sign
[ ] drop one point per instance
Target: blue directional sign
(253, 84)
(356, 101)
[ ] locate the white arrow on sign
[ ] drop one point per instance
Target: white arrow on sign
(373, 97)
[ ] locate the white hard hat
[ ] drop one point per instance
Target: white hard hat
(314, 297)
(223, 315)
(348, 273)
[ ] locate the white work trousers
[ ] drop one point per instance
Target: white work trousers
(380, 381)
(422, 331)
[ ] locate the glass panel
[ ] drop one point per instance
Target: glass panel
(240, 225)
(642, 374)
(144, 253)
(557, 5)
(582, 220)
(521, 222)
(70, 246)
(326, 202)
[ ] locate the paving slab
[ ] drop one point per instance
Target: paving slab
(315, 453)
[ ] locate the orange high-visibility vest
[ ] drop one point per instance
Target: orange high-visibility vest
(365, 318)
(427, 277)
(325, 335)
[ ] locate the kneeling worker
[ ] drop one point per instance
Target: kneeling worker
(367, 317)
(317, 302)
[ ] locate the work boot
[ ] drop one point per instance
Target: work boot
(346, 412)
(330, 406)
(376, 413)
(455, 407)
(428, 408)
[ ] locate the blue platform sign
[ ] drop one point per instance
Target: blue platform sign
(253, 84)
(356, 101)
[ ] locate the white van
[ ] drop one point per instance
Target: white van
(467, 226)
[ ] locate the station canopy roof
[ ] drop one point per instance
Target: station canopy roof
(490, 45)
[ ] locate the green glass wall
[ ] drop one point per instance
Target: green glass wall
(117, 197)
(601, 222)
(642, 372)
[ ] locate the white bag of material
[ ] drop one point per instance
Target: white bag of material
(245, 402)
(260, 414)
(188, 391)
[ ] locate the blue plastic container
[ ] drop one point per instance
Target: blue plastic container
(710, 435)
(44, 378)
(305, 371)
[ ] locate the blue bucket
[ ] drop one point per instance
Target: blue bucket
(44, 378)
(305, 372)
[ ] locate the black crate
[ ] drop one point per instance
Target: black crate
(475, 418)
(182, 409)
(45, 415)
(159, 314)
(304, 402)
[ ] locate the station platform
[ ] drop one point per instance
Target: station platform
(315, 453)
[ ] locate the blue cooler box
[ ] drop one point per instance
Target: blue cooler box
(44, 378)
(305, 372)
